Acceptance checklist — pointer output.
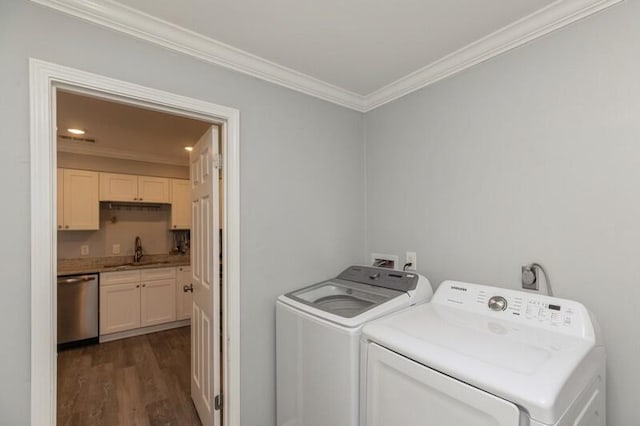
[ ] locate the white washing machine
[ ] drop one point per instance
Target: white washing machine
(484, 356)
(318, 341)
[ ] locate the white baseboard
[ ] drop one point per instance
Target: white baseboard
(144, 330)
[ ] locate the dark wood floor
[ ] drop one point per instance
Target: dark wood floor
(142, 380)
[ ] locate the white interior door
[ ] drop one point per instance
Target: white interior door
(400, 391)
(205, 261)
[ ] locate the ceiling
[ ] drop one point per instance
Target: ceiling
(360, 54)
(124, 131)
(357, 45)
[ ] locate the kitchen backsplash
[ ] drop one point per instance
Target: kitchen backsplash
(120, 225)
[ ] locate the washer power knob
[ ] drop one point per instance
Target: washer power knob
(497, 303)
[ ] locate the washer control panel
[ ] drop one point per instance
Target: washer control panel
(525, 308)
(498, 303)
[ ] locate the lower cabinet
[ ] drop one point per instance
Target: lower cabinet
(135, 299)
(184, 292)
(119, 307)
(158, 302)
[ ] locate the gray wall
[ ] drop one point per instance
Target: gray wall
(534, 155)
(301, 181)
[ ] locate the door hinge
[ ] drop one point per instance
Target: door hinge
(217, 161)
(217, 402)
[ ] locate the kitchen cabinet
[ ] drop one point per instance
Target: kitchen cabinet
(135, 299)
(118, 187)
(119, 307)
(157, 302)
(131, 188)
(183, 297)
(180, 204)
(153, 189)
(78, 202)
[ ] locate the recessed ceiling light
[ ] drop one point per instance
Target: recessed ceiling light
(76, 131)
(188, 148)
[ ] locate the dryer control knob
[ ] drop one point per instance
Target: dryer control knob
(497, 303)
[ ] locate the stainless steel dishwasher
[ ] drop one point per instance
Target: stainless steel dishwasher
(77, 309)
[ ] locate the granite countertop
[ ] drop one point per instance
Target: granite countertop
(120, 263)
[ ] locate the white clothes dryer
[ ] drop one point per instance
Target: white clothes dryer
(484, 356)
(318, 341)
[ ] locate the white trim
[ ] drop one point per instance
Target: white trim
(88, 149)
(130, 21)
(555, 16)
(145, 330)
(44, 78)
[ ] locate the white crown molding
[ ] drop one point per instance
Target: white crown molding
(76, 148)
(133, 22)
(555, 16)
(130, 21)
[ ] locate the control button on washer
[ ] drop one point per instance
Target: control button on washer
(497, 303)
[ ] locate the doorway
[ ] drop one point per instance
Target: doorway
(46, 80)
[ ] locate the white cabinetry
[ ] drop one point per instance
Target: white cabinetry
(134, 299)
(158, 302)
(119, 307)
(78, 203)
(180, 204)
(122, 187)
(153, 189)
(118, 187)
(183, 297)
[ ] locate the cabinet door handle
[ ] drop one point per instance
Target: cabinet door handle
(188, 288)
(144, 285)
(66, 227)
(138, 286)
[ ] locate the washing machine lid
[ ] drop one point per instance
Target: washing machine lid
(343, 299)
(535, 353)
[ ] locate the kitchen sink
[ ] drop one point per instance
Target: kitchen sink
(164, 262)
(129, 265)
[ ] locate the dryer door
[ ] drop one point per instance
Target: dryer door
(400, 391)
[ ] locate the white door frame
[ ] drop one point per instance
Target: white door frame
(44, 78)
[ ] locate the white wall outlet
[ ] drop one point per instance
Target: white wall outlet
(411, 258)
(384, 260)
(84, 250)
(115, 249)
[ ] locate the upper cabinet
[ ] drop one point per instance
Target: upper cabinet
(118, 187)
(121, 187)
(78, 200)
(153, 189)
(180, 204)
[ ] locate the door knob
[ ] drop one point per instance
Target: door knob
(188, 288)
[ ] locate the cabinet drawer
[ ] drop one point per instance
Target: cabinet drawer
(157, 274)
(123, 277)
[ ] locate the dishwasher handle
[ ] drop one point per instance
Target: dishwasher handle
(76, 280)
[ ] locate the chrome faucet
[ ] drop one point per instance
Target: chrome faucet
(137, 253)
